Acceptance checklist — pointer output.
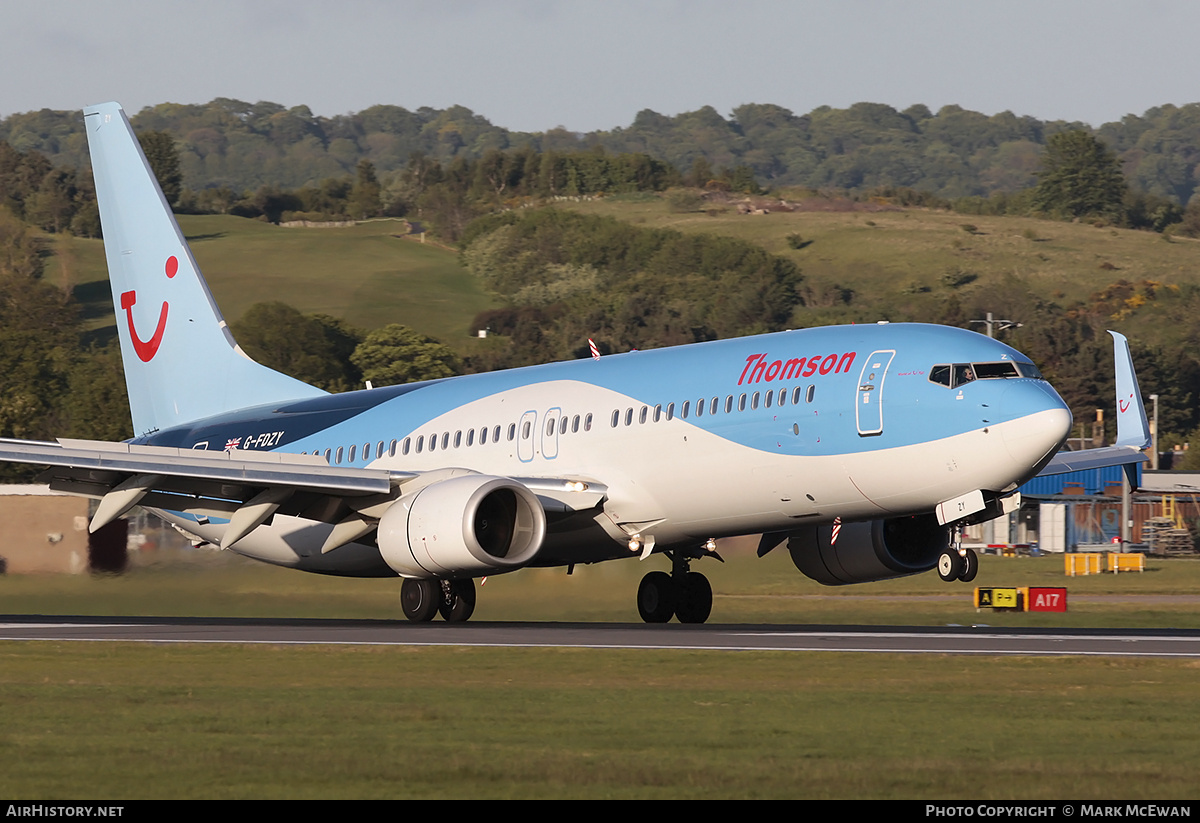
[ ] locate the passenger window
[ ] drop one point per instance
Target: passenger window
(512, 431)
(574, 424)
(616, 417)
(700, 408)
(339, 454)
(742, 403)
(470, 437)
(420, 443)
(629, 417)
(407, 444)
(812, 390)
(796, 395)
(328, 452)
(670, 411)
(770, 398)
(525, 430)
(457, 438)
(642, 415)
(351, 460)
(550, 425)
(433, 442)
(783, 397)
(712, 407)
(683, 412)
(657, 413)
(729, 403)
(562, 429)
(483, 436)
(587, 422)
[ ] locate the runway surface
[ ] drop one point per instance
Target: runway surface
(976, 640)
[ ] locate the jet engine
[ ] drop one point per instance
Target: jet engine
(870, 550)
(461, 527)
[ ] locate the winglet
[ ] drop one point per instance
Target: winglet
(1132, 428)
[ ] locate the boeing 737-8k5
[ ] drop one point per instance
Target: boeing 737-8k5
(861, 447)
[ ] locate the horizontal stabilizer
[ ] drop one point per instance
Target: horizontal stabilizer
(1064, 462)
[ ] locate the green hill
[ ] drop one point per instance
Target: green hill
(903, 264)
(367, 274)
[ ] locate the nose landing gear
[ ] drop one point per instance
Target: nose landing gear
(957, 563)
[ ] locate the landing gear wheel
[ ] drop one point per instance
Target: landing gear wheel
(457, 603)
(950, 565)
(656, 597)
(970, 566)
(695, 598)
(419, 599)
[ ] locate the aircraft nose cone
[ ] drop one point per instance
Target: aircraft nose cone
(1038, 428)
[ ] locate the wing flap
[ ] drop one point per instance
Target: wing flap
(96, 460)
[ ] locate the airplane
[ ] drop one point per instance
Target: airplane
(864, 448)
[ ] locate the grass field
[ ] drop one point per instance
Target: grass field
(365, 274)
(123, 721)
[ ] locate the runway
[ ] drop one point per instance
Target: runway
(969, 640)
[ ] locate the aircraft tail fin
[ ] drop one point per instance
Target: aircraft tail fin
(181, 362)
(1132, 428)
(1133, 432)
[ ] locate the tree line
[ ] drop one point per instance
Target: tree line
(951, 153)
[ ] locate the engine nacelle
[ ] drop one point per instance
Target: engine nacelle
(468, 525)
(872, 550)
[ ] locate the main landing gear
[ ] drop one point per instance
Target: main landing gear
(422, 600)
(684, 594)
(957, 563)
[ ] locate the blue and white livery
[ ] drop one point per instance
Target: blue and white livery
(861, 447)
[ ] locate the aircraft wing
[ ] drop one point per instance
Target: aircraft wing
(247, 487)
(1133, 431)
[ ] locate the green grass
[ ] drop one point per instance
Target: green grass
(124, 721)
(365, 274)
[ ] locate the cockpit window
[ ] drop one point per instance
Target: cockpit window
(954, 375)
(1030, 370)
(991, 371)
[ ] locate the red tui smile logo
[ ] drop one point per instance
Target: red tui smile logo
(146, 349)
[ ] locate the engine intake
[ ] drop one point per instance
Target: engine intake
(871, 550)
(463, 526)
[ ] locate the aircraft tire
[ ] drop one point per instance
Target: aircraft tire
(949, 565)
(419, 599)
(656, 597)
(695, 598)
(970, 566)
(458, 602)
